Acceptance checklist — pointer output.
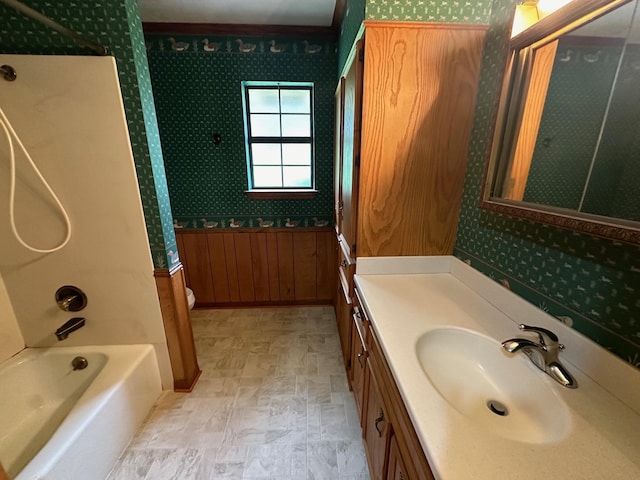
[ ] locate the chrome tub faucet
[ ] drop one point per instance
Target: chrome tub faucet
(543, 354)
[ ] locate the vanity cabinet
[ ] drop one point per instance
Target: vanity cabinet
(343, 308)
(377, 429)
(359, 355)
(396, 470)
(392, 446)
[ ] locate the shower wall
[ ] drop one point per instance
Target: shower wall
(12, 341)
(68, 111)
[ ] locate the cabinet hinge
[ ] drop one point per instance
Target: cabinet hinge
(357, 160)
(353, 250)
(361, 55)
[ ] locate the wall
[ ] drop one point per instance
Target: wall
(476, 11)
(68, 112)
(12, 341)
(115, 24)
(352, 18)
(198, 93)
(589, 283)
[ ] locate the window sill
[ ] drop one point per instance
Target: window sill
(280, 194)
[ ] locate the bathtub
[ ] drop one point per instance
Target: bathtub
(57, 423)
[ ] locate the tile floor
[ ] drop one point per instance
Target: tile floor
(272, 403)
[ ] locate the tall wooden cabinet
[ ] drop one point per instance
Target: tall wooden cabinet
(404, 113)
(409, 97)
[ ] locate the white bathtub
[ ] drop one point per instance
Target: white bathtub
(61, 424)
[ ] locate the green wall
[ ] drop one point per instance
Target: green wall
(449, 11)
(476, 12)
(589, 283)
(198, 93)
(351, 21)
(115, 24)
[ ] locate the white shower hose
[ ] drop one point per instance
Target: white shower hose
(9, 132)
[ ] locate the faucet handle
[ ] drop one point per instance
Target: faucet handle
(543, 334)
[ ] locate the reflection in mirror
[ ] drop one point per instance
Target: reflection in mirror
(567, 144)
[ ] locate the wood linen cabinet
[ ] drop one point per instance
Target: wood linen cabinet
(404, 112)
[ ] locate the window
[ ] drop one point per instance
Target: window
(279, 136)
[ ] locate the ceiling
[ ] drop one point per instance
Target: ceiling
(255, 12)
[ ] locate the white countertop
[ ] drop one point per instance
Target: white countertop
(407, 296)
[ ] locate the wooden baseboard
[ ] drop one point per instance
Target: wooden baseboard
(291, 303)
(177, 326)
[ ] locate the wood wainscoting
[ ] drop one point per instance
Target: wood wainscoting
(252, 266)
(177, 327)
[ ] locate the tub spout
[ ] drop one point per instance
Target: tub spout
(70, 326)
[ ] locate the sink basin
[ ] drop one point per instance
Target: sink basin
(504, 394)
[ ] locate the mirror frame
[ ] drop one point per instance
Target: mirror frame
(545, 30)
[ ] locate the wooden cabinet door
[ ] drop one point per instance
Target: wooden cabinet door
(343, 318)
(337, 159)
(396, 470)
(377, 427)
(351, 149)
(359, 356)
(420, 87)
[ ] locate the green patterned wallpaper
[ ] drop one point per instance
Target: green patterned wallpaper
(197, 88)
(450, 11)
(116, 24)
(351, 21)
(589, 283)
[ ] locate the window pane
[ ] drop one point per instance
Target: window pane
(297, 176)
(265, 153)
(263, 101)
(296, 126)
(265, 125)
(296, 154)
(267, 177)
(295, 101)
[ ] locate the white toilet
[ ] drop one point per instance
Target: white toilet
(191, 298)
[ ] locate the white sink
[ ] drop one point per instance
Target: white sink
(502, 393)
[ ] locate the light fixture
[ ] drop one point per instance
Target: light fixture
(530, 12)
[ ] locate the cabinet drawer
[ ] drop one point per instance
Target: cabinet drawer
(346, 269)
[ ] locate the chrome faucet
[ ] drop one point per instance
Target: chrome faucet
(543, 354)
(69, 326)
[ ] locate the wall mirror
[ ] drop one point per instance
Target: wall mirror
(566, 148)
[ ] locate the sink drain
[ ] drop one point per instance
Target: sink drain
(497, 408)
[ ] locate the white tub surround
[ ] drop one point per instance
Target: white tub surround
(408, 296)
(12, 341)
(67, 109)
(66, 424)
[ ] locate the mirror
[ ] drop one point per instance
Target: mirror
(566, 149)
